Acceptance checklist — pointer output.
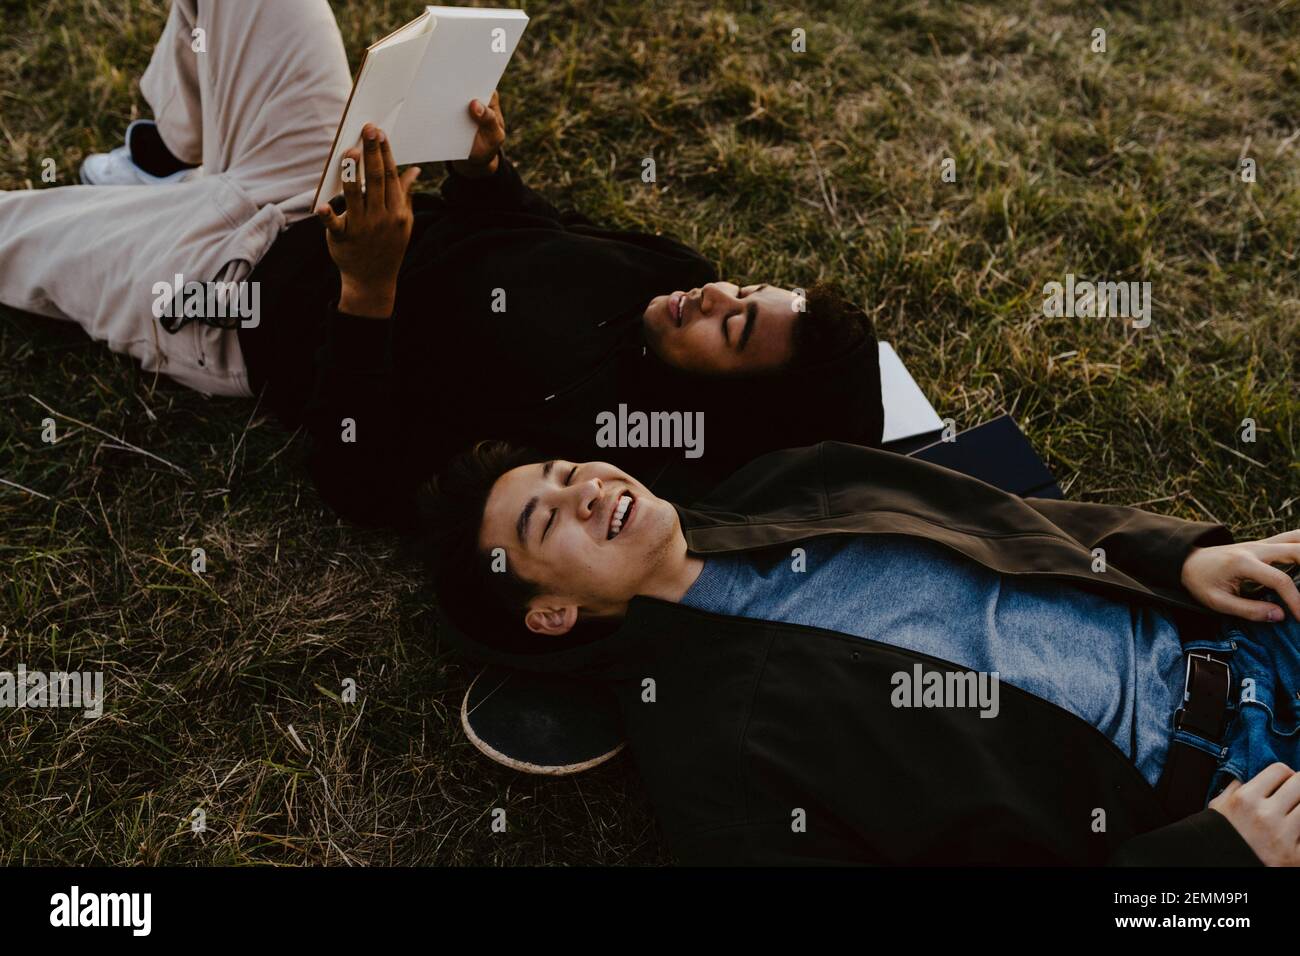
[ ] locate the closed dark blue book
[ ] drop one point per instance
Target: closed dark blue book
(997, 452)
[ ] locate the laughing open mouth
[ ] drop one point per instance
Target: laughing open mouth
(618, 516)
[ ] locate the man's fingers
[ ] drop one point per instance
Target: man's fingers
(1280, 582)
(408, 179)
(374, 167)
(488, 118)
(1226, 602)
(1262, 572)
(352, 180)
(333, 223)
(1264, 783)
(491, 127)
(483, 118)
(1288, 796)
(1276, 552)
(390, 170)
(498, 121)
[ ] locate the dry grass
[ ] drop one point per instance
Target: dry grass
(783, 167)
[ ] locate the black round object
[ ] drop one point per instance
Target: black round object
(541, 723)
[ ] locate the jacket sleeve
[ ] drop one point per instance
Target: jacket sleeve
(1202, 839)
(1147, 546)
(503, 191)
(357, 458)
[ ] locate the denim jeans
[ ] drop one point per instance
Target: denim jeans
(1264, 698)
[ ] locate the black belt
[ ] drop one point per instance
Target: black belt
(1188, 771)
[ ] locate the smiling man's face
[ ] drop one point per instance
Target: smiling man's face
(588, 536)
(723, 329)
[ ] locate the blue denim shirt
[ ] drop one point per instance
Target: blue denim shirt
(1117, 666)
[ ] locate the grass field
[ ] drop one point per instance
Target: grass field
(223, 689)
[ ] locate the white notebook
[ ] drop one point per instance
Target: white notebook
(416, 83)
(907, 411)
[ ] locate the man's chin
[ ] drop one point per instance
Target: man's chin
(656, 313)
(653, 329)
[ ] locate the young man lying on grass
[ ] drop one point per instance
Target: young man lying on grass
(790, 657)
(408, 326)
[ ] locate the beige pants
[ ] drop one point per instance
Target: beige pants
(257, 106)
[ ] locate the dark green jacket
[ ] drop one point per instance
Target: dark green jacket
(753, 721)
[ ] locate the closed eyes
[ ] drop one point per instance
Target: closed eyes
(751, 314)
(568, 480)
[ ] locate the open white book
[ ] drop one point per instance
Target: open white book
(416, 83)
(907, 411)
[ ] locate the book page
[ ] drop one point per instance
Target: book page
(421, 25)
(907, 411)
(465, 59)
(382, 86)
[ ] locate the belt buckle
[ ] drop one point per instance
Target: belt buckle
(1187, 684)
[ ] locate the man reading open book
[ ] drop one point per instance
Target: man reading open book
(400, 327)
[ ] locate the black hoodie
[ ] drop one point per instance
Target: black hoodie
(388, 402)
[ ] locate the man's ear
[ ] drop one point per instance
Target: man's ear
(551, 619)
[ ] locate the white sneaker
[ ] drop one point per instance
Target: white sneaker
(118, 169)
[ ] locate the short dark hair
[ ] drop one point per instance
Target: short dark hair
(485, 605)
(830, 326)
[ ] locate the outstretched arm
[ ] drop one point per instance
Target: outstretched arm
(367, 241)
(359, 459)
(362, 457)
